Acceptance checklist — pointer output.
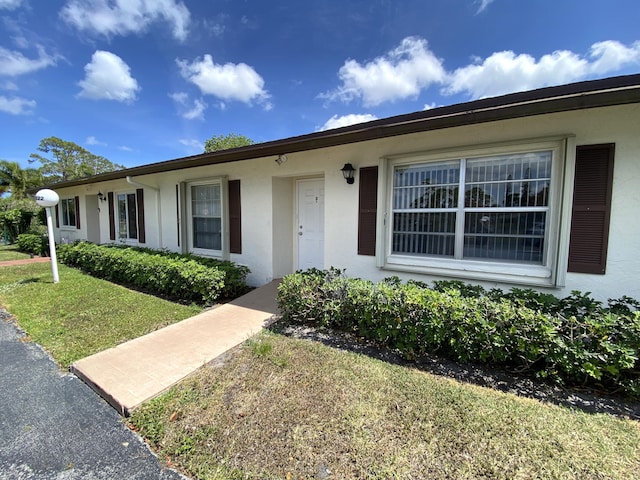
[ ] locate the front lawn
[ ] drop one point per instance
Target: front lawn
(81, 315)
(10, 252)
(284, 408)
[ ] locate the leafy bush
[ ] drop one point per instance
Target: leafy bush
(575, 340)
(33, 243)
(234, 275)
(17, 217)
(173, 275)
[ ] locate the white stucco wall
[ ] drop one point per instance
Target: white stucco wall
(269, 205)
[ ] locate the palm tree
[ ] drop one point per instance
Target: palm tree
(16, 180)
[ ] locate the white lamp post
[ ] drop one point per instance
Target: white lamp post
(48, 198)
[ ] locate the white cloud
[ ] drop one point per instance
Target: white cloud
(8, 85)
(94, 141)
(197, 111)
(14, 63)
(610, 55)
(179, 97)
(429, 106)
(216, 26)
(504, 72)
(406, 71)
(16, 105)
(193, 112)
(124, 148)
(346, 120)
(108, 77)
(401, 73)
(122, 17)
(227, 82)
(192, 143)
(9, 4)
(483, 5)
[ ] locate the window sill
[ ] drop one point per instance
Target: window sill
(133, 242)
(203, 252)
(532, 275)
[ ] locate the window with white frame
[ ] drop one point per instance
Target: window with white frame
(68, 212)
(488, 212)
(207, 217)
(127, 209)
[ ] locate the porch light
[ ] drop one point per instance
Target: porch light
(101, 196)
(347, 172)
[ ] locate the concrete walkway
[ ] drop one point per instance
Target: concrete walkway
(140, 369)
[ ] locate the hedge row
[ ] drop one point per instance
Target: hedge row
(179, 277)
(600, 348)
(235, 275)
(33, 243)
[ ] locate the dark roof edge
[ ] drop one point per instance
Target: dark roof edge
(575, 96)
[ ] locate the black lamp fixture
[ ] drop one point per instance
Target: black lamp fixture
(101, 197)
(348, 172)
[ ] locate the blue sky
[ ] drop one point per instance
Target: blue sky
(142, 81)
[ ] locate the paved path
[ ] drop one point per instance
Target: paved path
(140, 369)
(53, 427)
(24, 261)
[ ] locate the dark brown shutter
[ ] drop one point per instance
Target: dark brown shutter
(57, 216)
(142, 237)
(367, 210)
(112, 216)
(235, 217)
(591, 209)
(77, 200)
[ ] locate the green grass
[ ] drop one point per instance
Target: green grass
(10, 252)
(281, 408)
(81, 315)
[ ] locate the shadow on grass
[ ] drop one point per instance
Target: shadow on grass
(18, 283)
(481, 375)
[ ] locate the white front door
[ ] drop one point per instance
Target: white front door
(310, 226)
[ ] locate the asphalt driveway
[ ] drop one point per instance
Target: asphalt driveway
(52, 426)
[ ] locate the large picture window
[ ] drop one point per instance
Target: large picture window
(487, 212)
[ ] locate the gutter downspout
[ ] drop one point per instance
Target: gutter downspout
(157, 190)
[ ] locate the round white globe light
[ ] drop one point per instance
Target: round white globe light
(47, 198)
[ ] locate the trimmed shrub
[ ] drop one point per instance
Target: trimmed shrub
(575, 340)
(234, 275)
(33, 243)
(176, 276)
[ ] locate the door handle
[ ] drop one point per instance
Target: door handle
(300, 233)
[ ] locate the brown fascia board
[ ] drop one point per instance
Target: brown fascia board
(576, 96)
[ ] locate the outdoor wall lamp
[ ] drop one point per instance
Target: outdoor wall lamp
(281, 159)
(101, 197)
(348, 172)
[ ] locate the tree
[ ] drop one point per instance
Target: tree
(225, 142)
(69, 161)
(16, 180)
(18, 216)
